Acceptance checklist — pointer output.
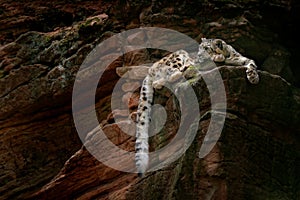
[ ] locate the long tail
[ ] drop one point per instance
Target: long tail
(142, 128)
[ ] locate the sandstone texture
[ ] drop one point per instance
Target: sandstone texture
(43, 45)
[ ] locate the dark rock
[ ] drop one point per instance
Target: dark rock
(259, 141)
(43, 46)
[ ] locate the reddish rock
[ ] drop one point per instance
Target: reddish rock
(43, 45)
(243, 164)
(130, 87)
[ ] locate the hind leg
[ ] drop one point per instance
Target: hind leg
(158, 84)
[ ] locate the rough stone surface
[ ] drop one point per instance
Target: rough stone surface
(42, 47)
(259, 142)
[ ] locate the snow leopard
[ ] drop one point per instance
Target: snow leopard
(170, 69)
(221, 52)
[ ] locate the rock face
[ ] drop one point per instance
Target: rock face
(43, 46)
(259, 141)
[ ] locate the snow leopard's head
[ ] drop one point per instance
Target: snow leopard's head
(214, 46)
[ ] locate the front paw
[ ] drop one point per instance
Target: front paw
(218, 58)
(252, 75)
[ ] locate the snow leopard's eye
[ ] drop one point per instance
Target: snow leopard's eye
(206, 48)
(219, 44)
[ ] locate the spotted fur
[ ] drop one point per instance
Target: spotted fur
(168, 69)
(220, 52)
